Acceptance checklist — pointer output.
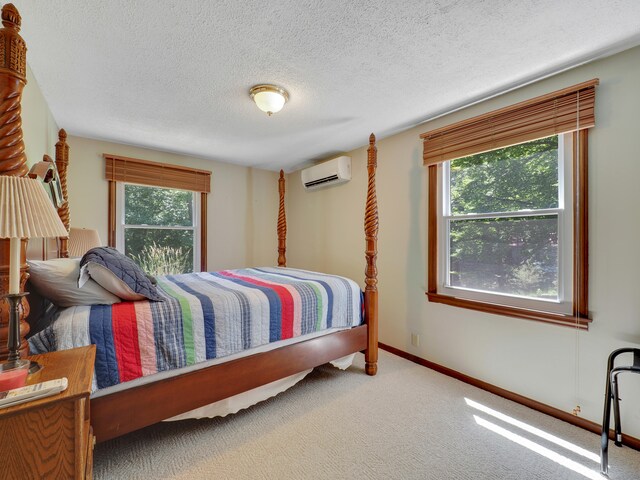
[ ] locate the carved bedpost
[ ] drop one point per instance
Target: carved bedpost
(371, 253)
(62, 162)
(282, 225)
(13, 160)
(13, 78)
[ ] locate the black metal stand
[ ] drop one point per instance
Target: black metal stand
(13, 340)
(611, 394)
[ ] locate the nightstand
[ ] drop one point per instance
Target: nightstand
(51, 437)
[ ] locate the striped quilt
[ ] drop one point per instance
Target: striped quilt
(204, 316)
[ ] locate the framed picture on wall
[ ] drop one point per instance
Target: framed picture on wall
(47, 172)
(56, 188)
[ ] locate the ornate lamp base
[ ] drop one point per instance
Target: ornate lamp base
(13, 342)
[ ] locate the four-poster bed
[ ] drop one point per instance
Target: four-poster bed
(142, 405)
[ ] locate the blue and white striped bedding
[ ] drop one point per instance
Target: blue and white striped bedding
(204, 316)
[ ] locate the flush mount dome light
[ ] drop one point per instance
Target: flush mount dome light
(269, 98)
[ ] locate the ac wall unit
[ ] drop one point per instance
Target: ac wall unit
(331, 172)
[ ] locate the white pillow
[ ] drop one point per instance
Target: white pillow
(57, 280)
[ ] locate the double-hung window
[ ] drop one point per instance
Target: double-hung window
(158, 214)
(507, 209)
(158, 227)
(506, 225)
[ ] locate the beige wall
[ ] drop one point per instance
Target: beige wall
(40, 134)
(242, 206)
(38, 125)
(555, 365)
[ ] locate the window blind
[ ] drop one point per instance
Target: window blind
(144, 172)
(563, 111)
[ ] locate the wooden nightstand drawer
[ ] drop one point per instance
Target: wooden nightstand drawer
(51, 437)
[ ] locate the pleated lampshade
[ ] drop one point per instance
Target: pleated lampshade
(26, 210)
(81, 240)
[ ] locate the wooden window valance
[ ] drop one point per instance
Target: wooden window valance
(563, 111)
(144, 172)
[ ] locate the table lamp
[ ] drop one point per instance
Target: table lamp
(26, 211)
(81, 240)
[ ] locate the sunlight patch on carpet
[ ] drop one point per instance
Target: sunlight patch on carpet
(535, 431)
(539, 449)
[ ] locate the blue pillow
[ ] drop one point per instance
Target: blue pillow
(118, 274)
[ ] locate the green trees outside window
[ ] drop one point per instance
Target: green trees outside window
(502, 216)
(159, 228)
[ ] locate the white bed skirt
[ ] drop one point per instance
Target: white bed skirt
(246, 399)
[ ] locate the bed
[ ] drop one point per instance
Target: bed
(201, 318)
(145, 403)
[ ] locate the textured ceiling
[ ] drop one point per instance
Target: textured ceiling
(175, 75)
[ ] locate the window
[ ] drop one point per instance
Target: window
(158, 228)
(508, 209)
(506, 225)
(158, 214)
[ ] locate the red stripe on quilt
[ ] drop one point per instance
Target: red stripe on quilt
(286, 300)
(125, 340)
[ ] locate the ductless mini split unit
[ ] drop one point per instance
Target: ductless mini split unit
(325, 174)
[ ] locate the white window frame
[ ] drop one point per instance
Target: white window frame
(195, 216)
(564, 302)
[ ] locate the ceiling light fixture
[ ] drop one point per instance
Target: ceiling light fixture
(269, 98)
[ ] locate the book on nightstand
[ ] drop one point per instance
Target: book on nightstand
(32, 392)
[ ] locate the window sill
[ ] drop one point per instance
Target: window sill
(581, 322)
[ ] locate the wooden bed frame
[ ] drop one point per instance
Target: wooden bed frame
(131, 409)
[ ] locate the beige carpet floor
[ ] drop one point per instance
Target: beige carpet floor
(408, 422)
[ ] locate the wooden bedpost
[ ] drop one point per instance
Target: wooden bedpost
(282, 225)
(13, 160)
(371, 253)
(13, 78)
(62, 162)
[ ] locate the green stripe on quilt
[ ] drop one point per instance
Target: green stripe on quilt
(187, 321)
(318, 303)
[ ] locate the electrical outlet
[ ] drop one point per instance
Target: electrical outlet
(415, 339)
